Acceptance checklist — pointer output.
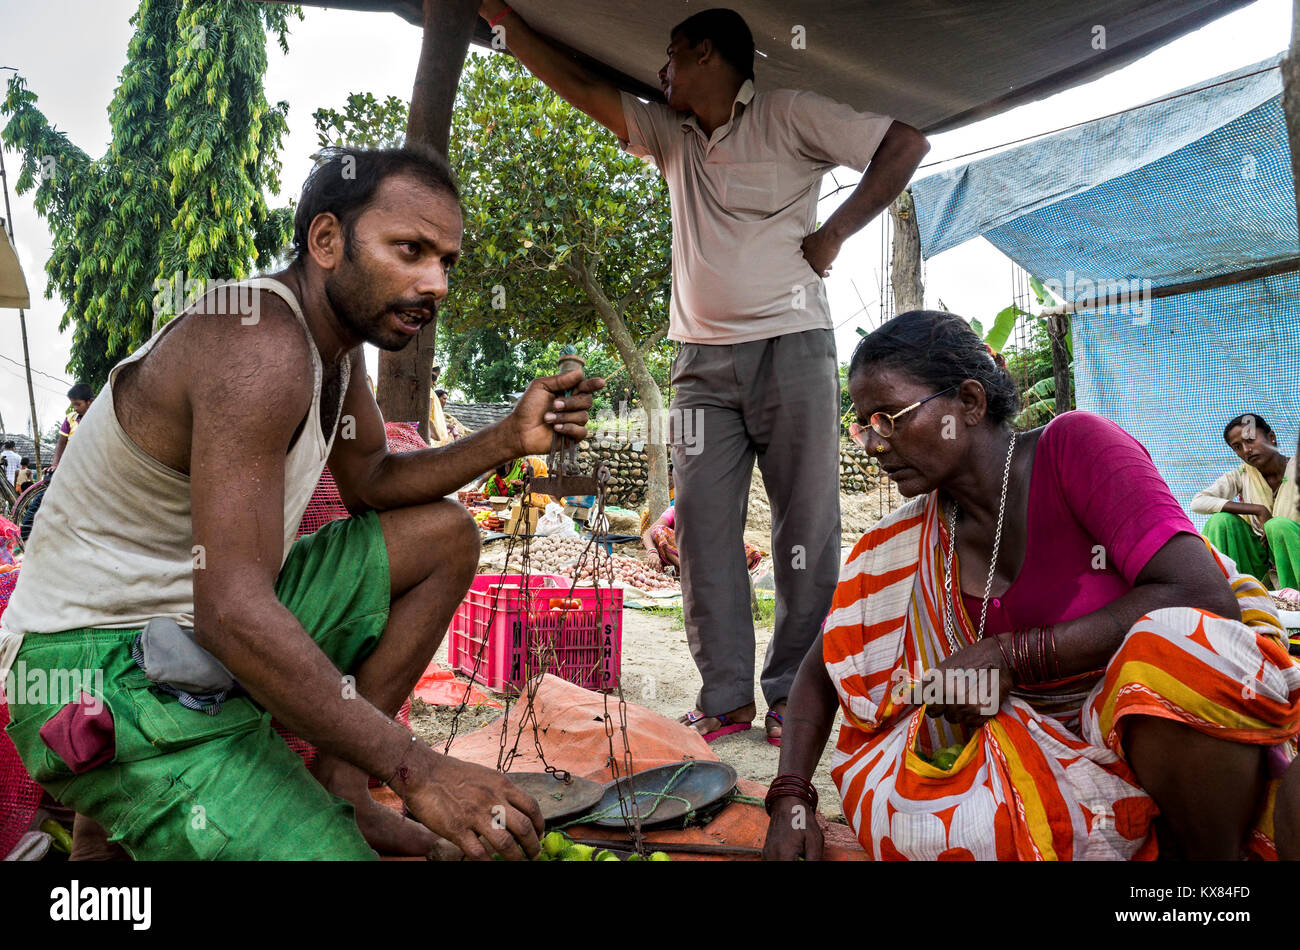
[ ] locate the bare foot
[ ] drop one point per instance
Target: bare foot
(384, 829)
(745, 714)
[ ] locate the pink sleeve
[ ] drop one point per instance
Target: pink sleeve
(1112, 487)
(669, 516)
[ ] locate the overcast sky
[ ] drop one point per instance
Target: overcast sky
(71, 52)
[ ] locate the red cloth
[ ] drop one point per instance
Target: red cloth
(81, 734)
(20, 797)
(1098, 512)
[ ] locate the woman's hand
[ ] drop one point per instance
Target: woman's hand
(1263, 513)
(792, 832)
(972, 684)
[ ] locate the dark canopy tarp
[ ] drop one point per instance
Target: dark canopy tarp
(936, 64)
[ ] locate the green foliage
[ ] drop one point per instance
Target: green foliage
(1000, 332)
(485, 365)
(365, 122)
(846, 401)
(181, 187)
(559, 223)
(548, 196)
(1031, 368)
(1038, 404)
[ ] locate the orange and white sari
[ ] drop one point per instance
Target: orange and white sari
(1045, 778)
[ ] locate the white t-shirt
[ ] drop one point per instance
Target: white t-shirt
(11, 461)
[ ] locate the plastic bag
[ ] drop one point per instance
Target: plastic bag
(555, 523)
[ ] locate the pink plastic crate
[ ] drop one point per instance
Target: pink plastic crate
(587, 648)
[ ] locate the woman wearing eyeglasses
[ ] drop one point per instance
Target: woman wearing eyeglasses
(1036, 654)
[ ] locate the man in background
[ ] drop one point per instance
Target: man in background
(81, 396)
(437, 421)
(10, 463)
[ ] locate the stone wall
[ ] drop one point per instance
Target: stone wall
(853, 459)
(628, 466)
(631, 469)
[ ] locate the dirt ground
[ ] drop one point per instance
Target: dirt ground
(658, 671)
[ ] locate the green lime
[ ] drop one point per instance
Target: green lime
(659, 856)
(577, 852)
(945, 760)
(554, 843)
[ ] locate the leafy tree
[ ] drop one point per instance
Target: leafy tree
(364, 122)
(567, 237)
(180, 193)
(487, 365)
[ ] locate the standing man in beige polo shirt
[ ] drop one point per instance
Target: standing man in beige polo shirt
(757, 370)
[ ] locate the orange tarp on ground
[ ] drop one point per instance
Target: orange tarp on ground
(571, 726)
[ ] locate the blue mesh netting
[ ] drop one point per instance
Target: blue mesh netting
(1221, 204)
(1174, 382)
(1195, 187)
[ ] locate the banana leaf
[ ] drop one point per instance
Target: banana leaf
(1003, 324)
(1044, 295)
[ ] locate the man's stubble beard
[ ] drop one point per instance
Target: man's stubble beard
(343, 302)
(345, 299)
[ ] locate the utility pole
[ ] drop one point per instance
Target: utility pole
(22, 318)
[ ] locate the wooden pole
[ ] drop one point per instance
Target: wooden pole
(22, 323)
(1291, 95)
(403, 384)
(1058, 327)
(905, 258)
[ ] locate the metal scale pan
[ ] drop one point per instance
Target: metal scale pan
(701, 785)
(556, 798)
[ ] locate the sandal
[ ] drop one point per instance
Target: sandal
(725, 726)
(780, 721)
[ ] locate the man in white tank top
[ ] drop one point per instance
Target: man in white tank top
(328, 634)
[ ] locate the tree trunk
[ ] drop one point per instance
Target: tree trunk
(403, 383)
(1291, 96)
(652, 400)
(1058, 325)
(905, 256)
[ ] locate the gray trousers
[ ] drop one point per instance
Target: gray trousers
(778, 399)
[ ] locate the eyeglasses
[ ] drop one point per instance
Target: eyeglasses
(882, 423)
